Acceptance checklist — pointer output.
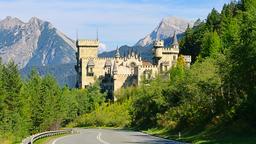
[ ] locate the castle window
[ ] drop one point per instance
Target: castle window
(108, 70)
(164, 66)
(90, 71)
(133, 65)
(108, 65)
(174, 57)
(90, 66)
(147, 74)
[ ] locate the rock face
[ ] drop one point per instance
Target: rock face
(164, 30)
(36, 43)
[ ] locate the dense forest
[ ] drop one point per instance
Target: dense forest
(213, 98)
(39, 104)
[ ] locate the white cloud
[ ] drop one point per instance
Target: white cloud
(102, 47)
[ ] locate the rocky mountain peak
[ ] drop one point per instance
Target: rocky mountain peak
(34, 43)
(36, 21)
(165, 29)
(10, 22)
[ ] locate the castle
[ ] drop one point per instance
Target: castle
(122, 71)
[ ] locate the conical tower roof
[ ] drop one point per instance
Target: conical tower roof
(175, 39)
(117, 55)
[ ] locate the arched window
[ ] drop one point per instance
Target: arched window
(108, 65)
(90, 66)
(132, 66)
(90, 71)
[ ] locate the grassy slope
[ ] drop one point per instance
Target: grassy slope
(209, 136)
(48, 139)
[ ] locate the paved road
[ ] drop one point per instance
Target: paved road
(107, 136)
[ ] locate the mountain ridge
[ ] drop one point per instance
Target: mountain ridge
(20, 42)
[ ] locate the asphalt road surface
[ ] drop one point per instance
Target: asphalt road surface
(108, 136)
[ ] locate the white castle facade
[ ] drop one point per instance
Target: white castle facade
(122, 71)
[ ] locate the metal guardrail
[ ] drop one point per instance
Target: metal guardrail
(33, 138)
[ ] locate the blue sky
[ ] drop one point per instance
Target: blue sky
(119, 22)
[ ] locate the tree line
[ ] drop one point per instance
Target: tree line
(39, 104)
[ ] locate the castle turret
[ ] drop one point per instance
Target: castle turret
(139, 56)
(115, 69)
(175, 43)
(117, 55)
(157, 51)
(158, 47)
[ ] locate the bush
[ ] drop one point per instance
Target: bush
(106, 115)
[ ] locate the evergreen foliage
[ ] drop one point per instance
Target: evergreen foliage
(39, 104)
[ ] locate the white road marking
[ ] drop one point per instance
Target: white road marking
(101, 140)
(60, 138)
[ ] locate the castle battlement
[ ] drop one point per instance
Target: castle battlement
(171, 50)
(149, 66)
(87, 43)
(125, 75)
(98, 58)
(107, 58)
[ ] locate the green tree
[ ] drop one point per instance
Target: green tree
(242, 78)
(52, 109)
(147, 103)
(213, 20)
(70, 104)
(191, 44)
(211, 44)
(12, 105)
(230, 30)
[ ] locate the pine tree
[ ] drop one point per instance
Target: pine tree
(230, 30)
(243, 60)
(52, 111)
(11, 85)
(211, 44)
(213, 20)
(2, 98)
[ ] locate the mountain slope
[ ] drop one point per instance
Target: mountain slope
(35, 43)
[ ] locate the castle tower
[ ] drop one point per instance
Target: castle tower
(157, 51)
(87, 48)
(115, 75)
